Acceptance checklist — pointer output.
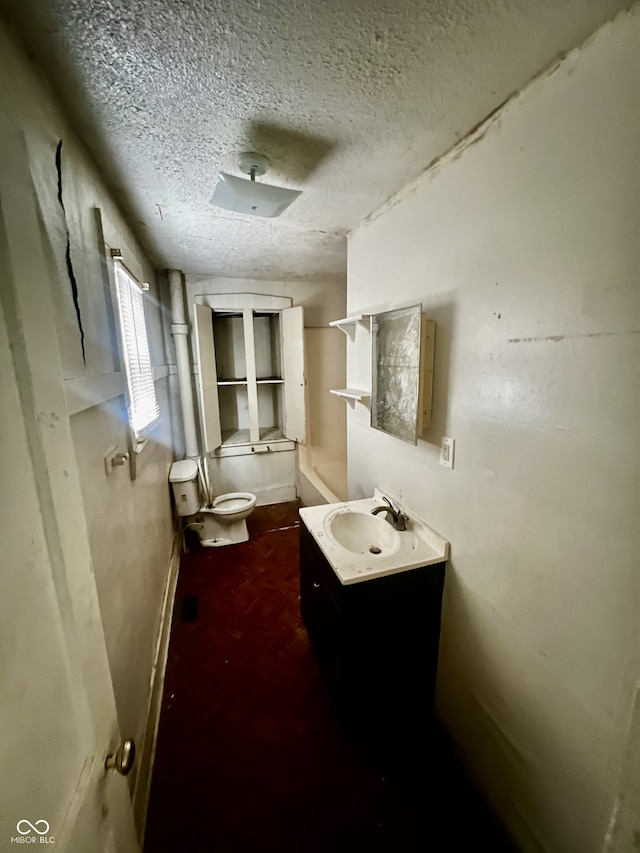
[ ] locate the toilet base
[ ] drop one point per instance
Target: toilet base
(215, 543)
(216, 534)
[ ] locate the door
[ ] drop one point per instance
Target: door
(207, 378)
(57, 716)
(295, 421)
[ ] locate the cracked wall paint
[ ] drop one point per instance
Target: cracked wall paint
(72, 277)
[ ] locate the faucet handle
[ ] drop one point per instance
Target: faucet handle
(387, 501)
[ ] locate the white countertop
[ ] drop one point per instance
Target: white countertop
(401, 551)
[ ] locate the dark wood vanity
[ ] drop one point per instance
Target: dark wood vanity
(376, 640)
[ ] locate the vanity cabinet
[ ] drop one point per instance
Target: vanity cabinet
(376, 641)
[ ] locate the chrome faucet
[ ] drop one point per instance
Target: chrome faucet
(399, 518)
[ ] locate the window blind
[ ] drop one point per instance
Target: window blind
(144, 413)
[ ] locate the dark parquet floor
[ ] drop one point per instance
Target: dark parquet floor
(249, 755)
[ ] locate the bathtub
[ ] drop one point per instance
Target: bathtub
(320, 480)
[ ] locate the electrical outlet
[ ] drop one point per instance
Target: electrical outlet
(447, 447)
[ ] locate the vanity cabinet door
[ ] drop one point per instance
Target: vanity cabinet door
(319, 609)
(322, 621)
(388, 664)
(394, 635)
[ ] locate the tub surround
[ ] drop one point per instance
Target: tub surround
(320, 480)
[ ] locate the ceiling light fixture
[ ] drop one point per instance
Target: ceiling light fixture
(250, 197)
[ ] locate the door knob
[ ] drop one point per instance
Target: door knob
(122, 759)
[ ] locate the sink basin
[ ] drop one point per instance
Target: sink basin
(360, 546)
(362, 534)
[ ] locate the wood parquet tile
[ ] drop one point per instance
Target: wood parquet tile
(249, 755)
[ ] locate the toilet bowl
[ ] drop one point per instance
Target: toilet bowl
(225, 521)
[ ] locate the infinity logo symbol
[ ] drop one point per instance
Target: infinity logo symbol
(32, 827)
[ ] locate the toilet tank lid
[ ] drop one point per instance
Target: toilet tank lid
(182, 471)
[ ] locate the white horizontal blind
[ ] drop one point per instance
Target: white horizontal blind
(143, 407)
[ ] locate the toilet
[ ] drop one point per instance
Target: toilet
(224, 522)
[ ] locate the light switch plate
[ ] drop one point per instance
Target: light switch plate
(447, 448)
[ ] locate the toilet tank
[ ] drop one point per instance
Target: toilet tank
(183, 477)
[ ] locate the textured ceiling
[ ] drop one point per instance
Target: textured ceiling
(350, 99)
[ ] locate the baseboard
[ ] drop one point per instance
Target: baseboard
(148, 747)
(275, 495)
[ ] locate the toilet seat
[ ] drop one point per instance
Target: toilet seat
(232, 503)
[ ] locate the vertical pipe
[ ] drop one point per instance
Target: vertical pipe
(180, 331)
(177, 426)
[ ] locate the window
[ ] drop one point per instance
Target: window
(143, 409)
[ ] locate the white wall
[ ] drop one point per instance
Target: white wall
(327, 428)
(523, 245)
(129, 523)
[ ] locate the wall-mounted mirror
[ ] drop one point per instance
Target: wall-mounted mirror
(401, 372)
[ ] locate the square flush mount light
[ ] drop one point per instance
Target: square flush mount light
(250, 197)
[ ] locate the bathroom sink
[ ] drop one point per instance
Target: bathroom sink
(360, 533)
(360, 546)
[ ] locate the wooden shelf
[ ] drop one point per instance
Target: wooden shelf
(271, 380)
(237, 436)
(232, 381)
(243, 436)
(271, 433)
(351, 393)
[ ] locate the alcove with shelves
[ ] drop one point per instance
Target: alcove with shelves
(251, 371)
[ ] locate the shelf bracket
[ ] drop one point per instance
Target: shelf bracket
(348, 324)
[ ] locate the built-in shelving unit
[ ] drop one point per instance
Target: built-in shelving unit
(249, 343)
(251, 374)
